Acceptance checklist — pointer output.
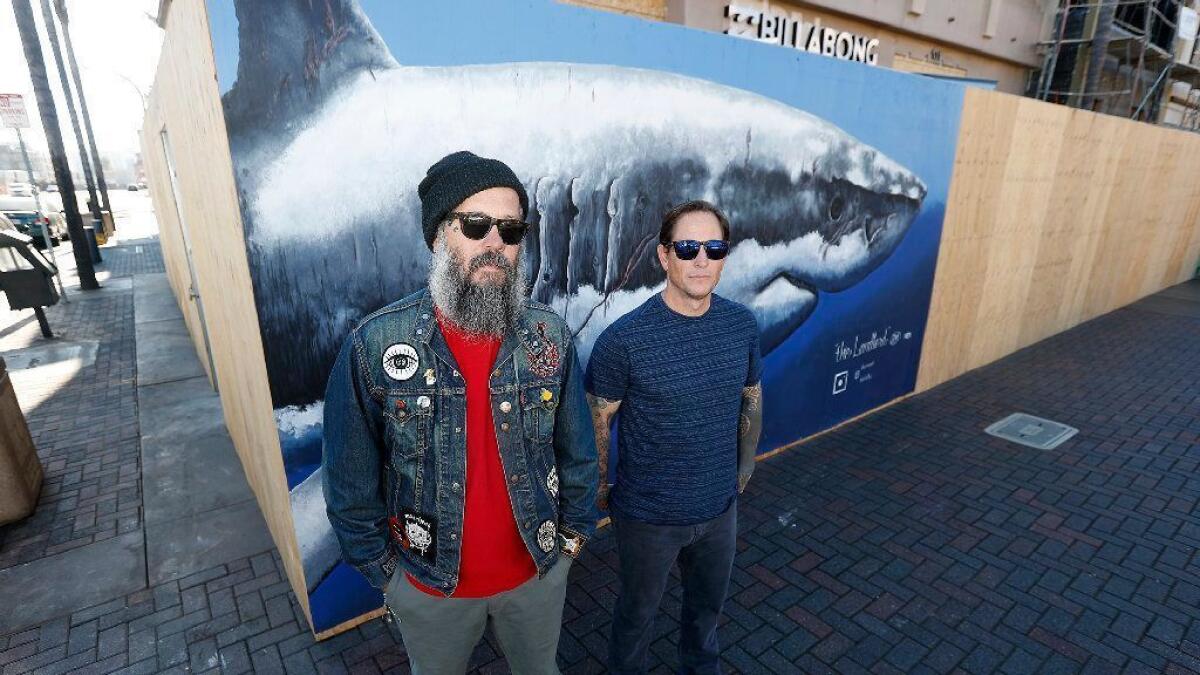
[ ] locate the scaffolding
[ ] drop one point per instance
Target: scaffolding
(1122, 57)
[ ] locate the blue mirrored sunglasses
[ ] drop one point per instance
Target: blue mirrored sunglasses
(688, 249)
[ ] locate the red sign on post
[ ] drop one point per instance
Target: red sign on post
(12, 111)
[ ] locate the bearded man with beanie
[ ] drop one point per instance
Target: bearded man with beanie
(459, 458)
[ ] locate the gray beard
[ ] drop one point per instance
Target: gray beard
(481, 309)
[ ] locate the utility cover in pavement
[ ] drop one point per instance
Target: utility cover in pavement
(1032, 431)
(80, 353)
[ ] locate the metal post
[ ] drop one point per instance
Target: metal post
(45, 234)
(1129, 68)
(29, 168)
(1141, 62)
(61, 7)
(1097, 52)
(1052, 58)
(49, 241)
(23, 13)
(52, 33)
(41, 317)
(1153, 89)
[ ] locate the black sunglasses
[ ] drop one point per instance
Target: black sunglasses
(477, 225)
(688, 249)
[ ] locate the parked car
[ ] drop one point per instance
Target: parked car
(25, 215)
(52, 187)
(51, 202)
(132, 187)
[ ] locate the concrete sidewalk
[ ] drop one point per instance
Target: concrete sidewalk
(908, 541)
(201, 511)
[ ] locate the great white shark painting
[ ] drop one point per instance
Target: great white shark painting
(330, 135)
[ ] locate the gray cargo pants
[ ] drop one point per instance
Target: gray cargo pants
(440, 633)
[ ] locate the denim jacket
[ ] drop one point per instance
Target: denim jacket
(395, 443)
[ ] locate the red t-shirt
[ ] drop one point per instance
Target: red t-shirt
(494, 558)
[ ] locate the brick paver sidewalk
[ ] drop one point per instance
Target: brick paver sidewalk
(83, 419)
(906, 542)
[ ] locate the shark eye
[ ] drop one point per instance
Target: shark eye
(837, 206)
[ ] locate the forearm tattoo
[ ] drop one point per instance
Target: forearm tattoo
(752, 398)
(750, 424)
(603, 410)
(751, 410)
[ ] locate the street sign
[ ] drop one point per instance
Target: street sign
(12, 111)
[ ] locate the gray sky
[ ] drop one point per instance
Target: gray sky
(116, 46)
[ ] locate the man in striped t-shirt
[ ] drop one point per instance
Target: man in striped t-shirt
(683, 369)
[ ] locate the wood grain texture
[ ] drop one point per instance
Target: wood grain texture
(1055, 216)
(170, 232)
(185, 100)
(647, 9)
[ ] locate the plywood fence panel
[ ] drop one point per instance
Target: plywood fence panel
(1058, 238)
(159, 186)
(170, 234)
(1188, 265)
(648, 9)
(186, 97)
(1180, 195)
(1184, 264)
(1017, 225)
(1055, 216)
(1086, 191)
(1112, 256)
(1070, 228)
(982, 145)
(1170, 213)
(1183, 195)
(1136, 233)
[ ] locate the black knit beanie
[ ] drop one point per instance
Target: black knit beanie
(457, 176)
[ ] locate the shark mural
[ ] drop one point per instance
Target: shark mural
(330, 134)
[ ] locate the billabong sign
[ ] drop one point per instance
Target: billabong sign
(789, 29)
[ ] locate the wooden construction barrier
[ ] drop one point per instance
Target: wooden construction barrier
(1054, 216)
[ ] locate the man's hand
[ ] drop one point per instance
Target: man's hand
(743, 479)
(602, 496)
(572, 544)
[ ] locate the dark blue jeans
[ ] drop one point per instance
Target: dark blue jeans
(647, 553)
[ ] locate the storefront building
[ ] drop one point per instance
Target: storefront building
(992, 42)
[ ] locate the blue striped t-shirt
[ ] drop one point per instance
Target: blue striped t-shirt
(680, 381)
